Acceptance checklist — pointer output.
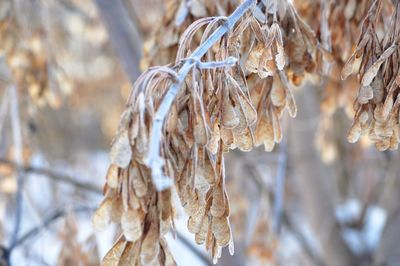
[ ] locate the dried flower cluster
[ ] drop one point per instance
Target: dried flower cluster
(222, 104)
(376, 60)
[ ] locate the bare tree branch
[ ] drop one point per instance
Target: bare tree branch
(53, 175)
(47, 222)
(123, 35)
(17, 141)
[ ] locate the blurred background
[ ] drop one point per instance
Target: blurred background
(65, 73)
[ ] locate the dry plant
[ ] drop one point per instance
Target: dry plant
(232, 100)
(376, 61)
(223, 83)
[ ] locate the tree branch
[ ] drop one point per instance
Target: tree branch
(53, 175)
(48, 221)
(17, 141)
(123, 35)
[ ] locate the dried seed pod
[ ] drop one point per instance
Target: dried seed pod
(264, 133)
(229, 118)
(201, 235)
(131, 223)
(121, 152)
(102, 217)
(365, 94)
(112, 176)
(221, 230)
(138, 183)
(218, 201)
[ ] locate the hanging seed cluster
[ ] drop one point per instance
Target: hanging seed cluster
(223, 104)
(337, 24)
(376, 61)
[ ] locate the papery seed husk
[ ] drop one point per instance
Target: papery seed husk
(364, 116)
(121, 152)
(201, 235)
(278, 95)
(221, 230)
(207, 168)
(247, 109)
(172, 120)
(213, 144)
(195, 222)
(134, 128)
(264, 132)
(139, 185)
(378, 89)
(116, 209)
(131, 223)
(113, 256)
(200, 132)
(218, 201)
(112, 176)
(226, 136)
(371, 73)
(365, 94)
(102, 216)
(276, 125)
(243, 139)
(165, 205)
(133, 201)
(355, 133)
(169, 259)
(130, 255)
(382, 145)
(229, 118)
(150, 245)
(348, 68)
(253, 59)
(394, 140)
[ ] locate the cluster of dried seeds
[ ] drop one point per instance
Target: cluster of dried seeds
(223, 104)
(376, 61)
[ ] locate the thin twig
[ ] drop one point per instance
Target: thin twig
(280, 186)
(155, 161)
(47, 222)
(3, 109)
(17, 140)
(53, 175)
